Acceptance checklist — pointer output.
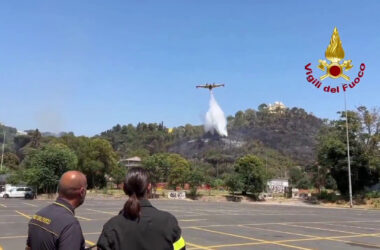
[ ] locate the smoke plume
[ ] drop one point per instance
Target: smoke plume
(215, 119)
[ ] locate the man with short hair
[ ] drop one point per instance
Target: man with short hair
(55, 226)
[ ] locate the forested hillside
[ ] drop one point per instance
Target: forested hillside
(281, 138)
(280, 142)
(10, 134)
(290, 132)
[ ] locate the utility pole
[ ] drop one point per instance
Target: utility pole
(348, 153)
(217, 169)
(2, 153)
(266, 163)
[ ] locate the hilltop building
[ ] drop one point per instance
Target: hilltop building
(276, 107)
(131, 162)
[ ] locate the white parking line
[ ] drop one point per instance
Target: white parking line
(83, 218)
(191, 220)
(99, 211)
(29, 204)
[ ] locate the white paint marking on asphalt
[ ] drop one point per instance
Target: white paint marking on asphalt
(83, 218)
(192, 220)
(29, 204)
(99, 211)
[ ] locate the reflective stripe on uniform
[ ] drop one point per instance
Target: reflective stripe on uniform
(44, 228)
(179, 244)
(60, 204)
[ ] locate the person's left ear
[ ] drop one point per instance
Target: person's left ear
(149, 188)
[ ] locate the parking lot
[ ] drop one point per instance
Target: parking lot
(222, 225)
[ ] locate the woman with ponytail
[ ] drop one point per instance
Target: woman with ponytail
(139, 225)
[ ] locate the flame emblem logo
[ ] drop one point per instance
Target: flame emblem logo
(335, 54)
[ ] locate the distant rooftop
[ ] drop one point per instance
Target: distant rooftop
(135, 158)
(131, 162)
(19, 132)
(276, 107)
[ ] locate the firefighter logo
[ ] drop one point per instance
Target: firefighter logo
(334, 68)
(335, 53)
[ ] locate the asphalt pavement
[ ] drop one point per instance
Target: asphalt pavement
(220, 225)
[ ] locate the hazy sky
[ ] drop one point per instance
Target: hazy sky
(84, 66)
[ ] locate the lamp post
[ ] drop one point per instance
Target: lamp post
(2, 152)
(348, 152)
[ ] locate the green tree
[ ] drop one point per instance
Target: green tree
(11, 161)
(142, 140)
(171, 168)
(195, 179)
(240, 119)
(298, 178)
(179, 170)
(20, 141)
(304, 183)
(158, 167)
(234, 183)
(252, 172)
(118, 173)
(44, 167)
(330, 182)
(140, 152)
(370, 136)
(332, 153)
(35, 138)
(263, 107)
(96, 157)
(217, 183)
(101, 159)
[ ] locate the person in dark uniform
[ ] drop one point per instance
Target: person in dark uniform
(55, 226)
(139, 225)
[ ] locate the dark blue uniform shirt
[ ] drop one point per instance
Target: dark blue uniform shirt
(55, 227)
(156, 230)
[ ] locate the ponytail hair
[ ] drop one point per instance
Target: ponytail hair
(135, 186)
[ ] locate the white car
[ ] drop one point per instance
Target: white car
(17, 192)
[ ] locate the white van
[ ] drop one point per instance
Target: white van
(17, 192)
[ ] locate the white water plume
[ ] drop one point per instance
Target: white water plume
(215, 119)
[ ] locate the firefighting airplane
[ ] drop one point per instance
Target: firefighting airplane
(210, 86)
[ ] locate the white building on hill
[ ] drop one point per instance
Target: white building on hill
(131, 162)
(276, 107)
